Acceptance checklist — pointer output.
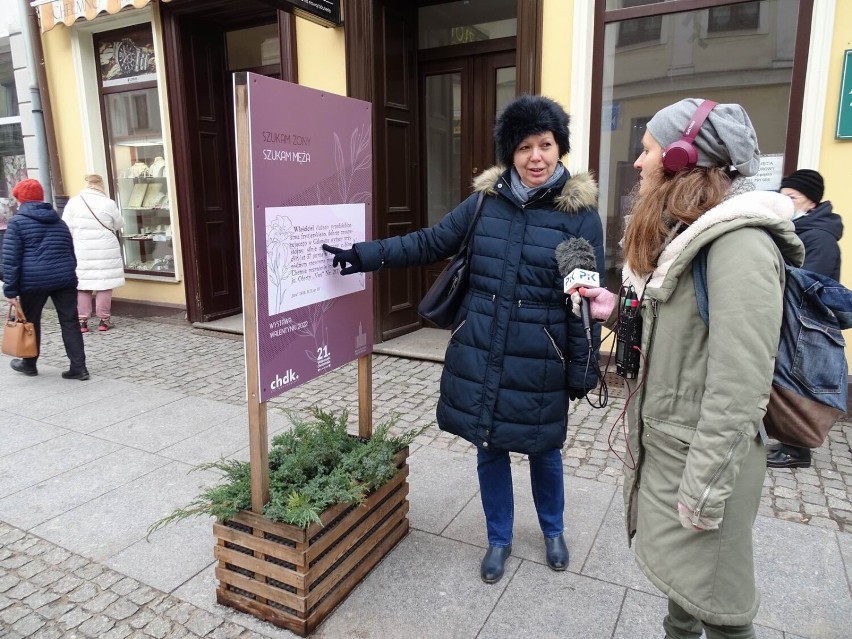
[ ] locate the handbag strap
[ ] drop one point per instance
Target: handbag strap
(19, 312)
(95, 216)
(466, 245)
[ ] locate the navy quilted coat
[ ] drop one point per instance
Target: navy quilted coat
(516, 347)
(38, 252)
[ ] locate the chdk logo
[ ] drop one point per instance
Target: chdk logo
(289, 378)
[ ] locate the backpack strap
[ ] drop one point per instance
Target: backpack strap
(699, 276)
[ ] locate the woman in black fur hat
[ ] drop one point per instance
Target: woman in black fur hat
(517, 355)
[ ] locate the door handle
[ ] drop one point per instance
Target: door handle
(475, 170)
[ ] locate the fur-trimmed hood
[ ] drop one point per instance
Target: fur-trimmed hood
(764, 209)
(579, 192)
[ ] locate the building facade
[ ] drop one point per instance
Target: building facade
(140, 92)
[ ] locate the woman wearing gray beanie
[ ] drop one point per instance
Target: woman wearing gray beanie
(701, 391)
(516, 355)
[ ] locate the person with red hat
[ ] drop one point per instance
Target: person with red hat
(39, 264)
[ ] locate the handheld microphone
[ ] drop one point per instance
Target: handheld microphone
(576, 261)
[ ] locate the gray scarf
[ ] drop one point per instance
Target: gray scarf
(524, 192)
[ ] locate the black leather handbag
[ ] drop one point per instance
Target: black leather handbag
(443, 299)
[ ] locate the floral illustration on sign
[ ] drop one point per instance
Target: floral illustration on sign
(279, 260)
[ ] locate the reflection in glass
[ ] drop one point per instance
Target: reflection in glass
(695, 55)
(443, 125)
(253, 47)
(466, 21)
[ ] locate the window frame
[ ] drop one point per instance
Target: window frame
(603, 17)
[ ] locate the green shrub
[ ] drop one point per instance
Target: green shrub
(313, 466)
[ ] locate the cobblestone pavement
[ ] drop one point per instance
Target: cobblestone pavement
(169, 354)
(47, 592)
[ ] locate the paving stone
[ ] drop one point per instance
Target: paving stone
(119, 632)
(84, 592)
(121, 609)
(21, 591)
(97, 626)
(100, 602)
(55, 610)
(46, 577)
(29, 624)
(66, 584)
(202, 622)
(48, 631)
(125, 586)
(8, 581)
(40, 598)
(13, 613)
(158, 628)
(74, 617)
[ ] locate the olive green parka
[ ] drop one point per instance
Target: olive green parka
(699, 399)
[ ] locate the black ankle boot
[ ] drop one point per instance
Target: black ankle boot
(494, 563)
(23, 366)
(789, 457)
(557, 552)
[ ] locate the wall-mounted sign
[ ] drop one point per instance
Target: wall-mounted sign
(324, 12)
(844, 110)
(768, 176)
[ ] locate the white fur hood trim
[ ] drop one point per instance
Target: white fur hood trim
(755, 208)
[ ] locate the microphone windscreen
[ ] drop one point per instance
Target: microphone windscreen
(573, 254)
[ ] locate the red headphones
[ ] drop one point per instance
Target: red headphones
(682, 154)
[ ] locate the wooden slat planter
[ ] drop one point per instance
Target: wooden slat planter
(294, 577)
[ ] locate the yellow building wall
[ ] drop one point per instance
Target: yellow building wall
(321, 57)
(836, 155)
(558, 24)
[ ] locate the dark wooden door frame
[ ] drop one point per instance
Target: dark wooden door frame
(181, 146)
(362, 34)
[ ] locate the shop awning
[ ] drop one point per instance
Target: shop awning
(67, 12)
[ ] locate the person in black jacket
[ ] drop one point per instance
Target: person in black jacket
(39, 263)
(820, 230)
(517, 355)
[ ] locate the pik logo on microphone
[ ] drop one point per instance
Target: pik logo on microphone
(581, 277)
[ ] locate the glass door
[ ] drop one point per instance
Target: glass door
(460, 101)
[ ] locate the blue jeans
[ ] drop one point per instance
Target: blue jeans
(495, 488)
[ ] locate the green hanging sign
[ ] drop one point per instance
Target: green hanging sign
(844, 110)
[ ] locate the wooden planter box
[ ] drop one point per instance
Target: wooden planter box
(294, 577)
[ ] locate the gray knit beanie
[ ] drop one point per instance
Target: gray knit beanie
(727, 137)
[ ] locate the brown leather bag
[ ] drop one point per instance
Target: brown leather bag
(19, 337)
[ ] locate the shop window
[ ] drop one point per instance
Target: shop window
(130, 107)
(639, 81)
(13, 165)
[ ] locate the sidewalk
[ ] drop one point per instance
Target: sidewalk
(85, 467)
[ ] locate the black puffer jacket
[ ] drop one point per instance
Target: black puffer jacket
(820, 230)
(516, 348)
(38, 252)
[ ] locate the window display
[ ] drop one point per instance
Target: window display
(137, 155)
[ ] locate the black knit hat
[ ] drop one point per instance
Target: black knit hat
(529, 115)
(807, 182)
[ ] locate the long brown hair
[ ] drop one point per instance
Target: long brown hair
(666, 200)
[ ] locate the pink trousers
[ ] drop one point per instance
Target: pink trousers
(103, 304)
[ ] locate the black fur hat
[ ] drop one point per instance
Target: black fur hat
(528, 115)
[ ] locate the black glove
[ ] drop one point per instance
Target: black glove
(578, 393)
(344, 256)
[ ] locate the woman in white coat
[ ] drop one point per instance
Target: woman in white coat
(94, 220)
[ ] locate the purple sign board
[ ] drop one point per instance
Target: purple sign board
(311, 183)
